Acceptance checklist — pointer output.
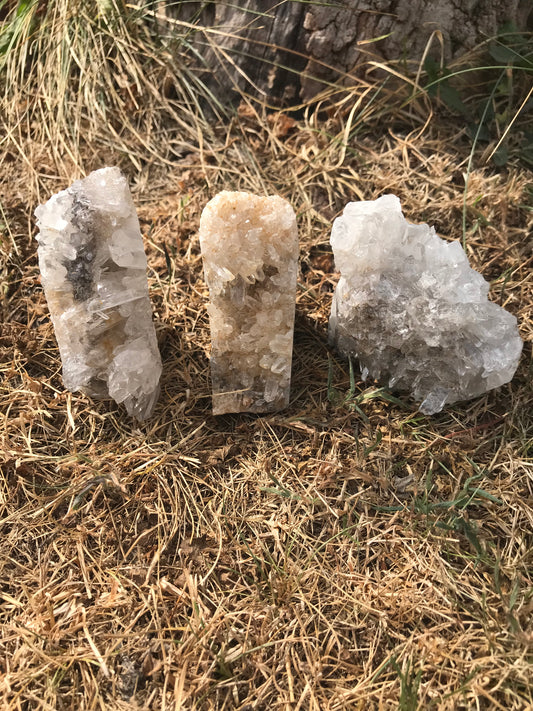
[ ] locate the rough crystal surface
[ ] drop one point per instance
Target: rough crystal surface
(250, 253)
(93, 269)
(413, 312)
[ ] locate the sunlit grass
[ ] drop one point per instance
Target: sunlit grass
(348, 552)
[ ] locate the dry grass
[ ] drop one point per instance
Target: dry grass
(348, 553)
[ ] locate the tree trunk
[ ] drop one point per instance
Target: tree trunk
(286, 51)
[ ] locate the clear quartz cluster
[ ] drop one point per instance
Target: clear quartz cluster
(93, 269)
(250, 253)
(412, 311)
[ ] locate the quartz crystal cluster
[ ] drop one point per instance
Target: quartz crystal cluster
(250, 253)
(93, 269)
(412, 311)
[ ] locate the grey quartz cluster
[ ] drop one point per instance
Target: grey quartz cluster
(414, 314)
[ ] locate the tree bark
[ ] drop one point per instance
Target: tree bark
(286, 51)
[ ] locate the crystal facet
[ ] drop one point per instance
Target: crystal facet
(93, 269)
(413, 312)
(250, 252)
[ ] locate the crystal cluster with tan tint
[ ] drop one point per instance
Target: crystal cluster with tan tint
(250, 252)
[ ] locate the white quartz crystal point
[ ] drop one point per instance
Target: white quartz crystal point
(93, 270)
(250, 254)
(413, 312)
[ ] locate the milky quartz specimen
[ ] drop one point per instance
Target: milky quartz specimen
(250, 253)
(413, 312)
(93, 269)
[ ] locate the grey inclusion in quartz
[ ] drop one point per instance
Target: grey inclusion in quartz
(93, 270)
(412, 311)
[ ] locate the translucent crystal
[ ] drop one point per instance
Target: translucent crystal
(93, 270)
(250, 252)
(412, 311)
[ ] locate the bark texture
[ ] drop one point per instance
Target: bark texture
(283, 51)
